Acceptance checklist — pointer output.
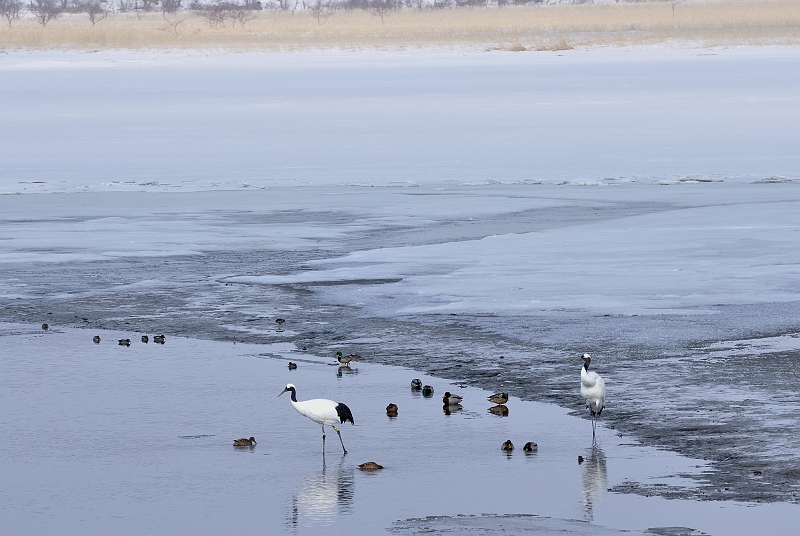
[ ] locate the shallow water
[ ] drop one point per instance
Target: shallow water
(102, 438)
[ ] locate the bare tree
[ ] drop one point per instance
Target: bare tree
(282, 5)
(216, 13)
(243, 13)
(171, 7)
(213, 13)
(322, 10)
(170, 10)
(44, 10)
(10, 10)
(674, 3)
(96, 9)
(379, 8)
(146, 5)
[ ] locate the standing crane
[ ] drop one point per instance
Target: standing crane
(322, 412)
(593, 390)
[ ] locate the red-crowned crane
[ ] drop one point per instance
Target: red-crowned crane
(593, 390)
(322, 412)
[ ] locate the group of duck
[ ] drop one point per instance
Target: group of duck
(452, 402)
(158, 339)
(345, 360)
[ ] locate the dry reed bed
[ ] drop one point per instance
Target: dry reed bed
(725, 23)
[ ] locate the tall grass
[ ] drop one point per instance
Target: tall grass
(726, 22)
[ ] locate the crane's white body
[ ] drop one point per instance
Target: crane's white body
(593, 390)
(322, 412)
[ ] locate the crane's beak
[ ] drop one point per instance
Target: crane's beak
(284, 390)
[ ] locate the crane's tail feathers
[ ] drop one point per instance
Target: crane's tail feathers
(344, 413)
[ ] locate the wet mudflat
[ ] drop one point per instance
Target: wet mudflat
(103, 437)
(688, 305)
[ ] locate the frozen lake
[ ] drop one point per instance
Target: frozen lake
(641, 206)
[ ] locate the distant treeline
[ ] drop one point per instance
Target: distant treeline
(217, 11)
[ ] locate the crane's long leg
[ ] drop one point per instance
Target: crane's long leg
(340, 439)
(323, 438)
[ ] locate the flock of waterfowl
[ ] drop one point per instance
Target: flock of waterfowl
(158, 339)
(327, 412)
(323, 411)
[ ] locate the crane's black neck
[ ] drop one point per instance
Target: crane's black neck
(586, 361)
(294, 394)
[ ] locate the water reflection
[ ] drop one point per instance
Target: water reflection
(595, 478)
(449, 409)
(500, 410)
(321, 497)
(345, 369)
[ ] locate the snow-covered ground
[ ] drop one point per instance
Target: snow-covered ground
(438, 210)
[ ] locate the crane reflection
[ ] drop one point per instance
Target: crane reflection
(322, 496)
(595, 479)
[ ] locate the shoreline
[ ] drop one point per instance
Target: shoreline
(529, 28)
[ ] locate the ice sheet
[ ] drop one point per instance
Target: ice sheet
(163, 121)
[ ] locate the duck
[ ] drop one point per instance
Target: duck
(500, 410)
(244, 442)
(96, 339)
(292, 366)
(416, 384)
(498, 398)
(145, 339)
(508, 446)
(124, 342)
(370, 466)
(280, 321)
(345, 359)
(451, 400)
(427, 391)
(391, 410)
(530, 446)
(45, 327)
(160, 339)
